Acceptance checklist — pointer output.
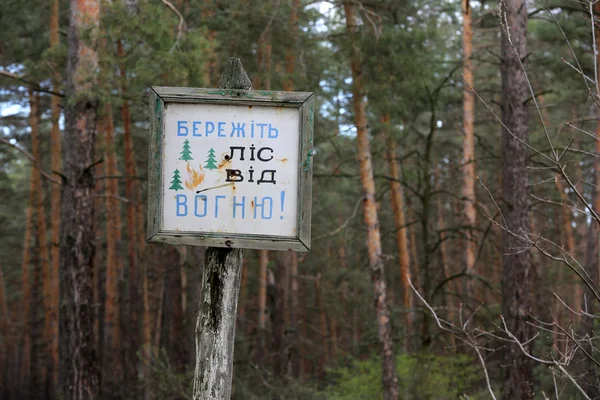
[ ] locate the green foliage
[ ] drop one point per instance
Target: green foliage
(257, 389)
(408, 50)
(420, 377)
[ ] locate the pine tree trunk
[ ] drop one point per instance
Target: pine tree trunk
(171, 338)
(6, 344)
(278, 294)
(397, 199)
(78, 369)
(390, 379)
(592, 263)
(322, 328)
(441, 226)
(41, 230)
(184, 277)
(589, 301)
(132, 194)
(25, 367)
(55, 218)
(468, 189)
(568, 242)
(4, 317)
(295, 359)
(290, 56)
(263, 56)
(262, 300)
(292, 288)
(517, 268)
(567, 239)
(99, 280)
(146, 338)
(581, 232)
(333, 333)
(112, 335)
(38, 341)
(210, 76)
(412, 233)
(243, 302)
(157, 323)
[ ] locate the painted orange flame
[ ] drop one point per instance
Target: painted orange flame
(194, 178)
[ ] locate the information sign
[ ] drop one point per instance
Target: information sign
(230, 168)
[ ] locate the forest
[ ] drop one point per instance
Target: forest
(455, 200)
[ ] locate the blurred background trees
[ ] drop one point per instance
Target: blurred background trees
(307, 326)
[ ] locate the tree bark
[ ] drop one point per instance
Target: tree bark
(136, 242)
(26, 288)
(133, 195)
(6, 345)
(34, 185)
(78, 369)
(568, 242)
(589, 302)
(412, 233)
(55, 204)
(322, 328)
(441, 226)
(389, 377)
(517, 268)
(243, 298)
(278, 294)
(468, 189)
(43, 254)
(290, 55)
(38, 341)
(295, 359)
(210, 73)
(397, 200)
(215, 329)
(592, 263)
(112, 334)
(4, 316)
(292, 287)
(172, 337)
(262, 300)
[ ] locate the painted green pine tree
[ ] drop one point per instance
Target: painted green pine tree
(211, 163)
(186, 153)
(176, 182)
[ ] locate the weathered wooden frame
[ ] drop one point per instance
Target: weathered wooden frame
(160, 96)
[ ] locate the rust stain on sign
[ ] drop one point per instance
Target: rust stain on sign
(226, 163)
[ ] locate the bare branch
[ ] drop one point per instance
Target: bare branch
(32, 159)
(35, 85)
(345, 224)
(181, 25)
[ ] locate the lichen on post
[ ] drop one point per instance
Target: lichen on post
(215, 326)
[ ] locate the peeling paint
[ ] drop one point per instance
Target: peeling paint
(237, 93)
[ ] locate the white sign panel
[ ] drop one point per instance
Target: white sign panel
(230, 168)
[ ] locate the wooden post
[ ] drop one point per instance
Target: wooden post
(215, 326)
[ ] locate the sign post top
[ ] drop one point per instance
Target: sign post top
(230, 167)
(235, 76)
